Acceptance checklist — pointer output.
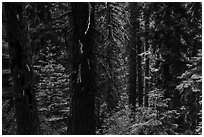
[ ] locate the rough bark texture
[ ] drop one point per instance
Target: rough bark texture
(83, 82)
(21, 69)
(132, 57)
(146, 83)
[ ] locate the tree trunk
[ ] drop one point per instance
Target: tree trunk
(22, 72)
(146, 83)
(132, 57)
(83, 121)
(139, 72)
(165, 66)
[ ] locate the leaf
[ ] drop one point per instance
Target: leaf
(153, 122)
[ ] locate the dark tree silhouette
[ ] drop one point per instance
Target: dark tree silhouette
(83, 81)
(21, 69)
(132, 55)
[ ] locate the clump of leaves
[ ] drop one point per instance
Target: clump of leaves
(191, 90)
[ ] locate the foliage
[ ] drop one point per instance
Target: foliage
(110, 52)
(52, 89)
(8, 117)
(191, 90)
(153, 120)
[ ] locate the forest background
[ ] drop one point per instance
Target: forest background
(102, 68)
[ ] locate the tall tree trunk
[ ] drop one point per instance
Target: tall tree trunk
(135, 62)
(165, 49)
(83, 120)
(139, 72)
(146, 83)
(132, 56)
(21, 69)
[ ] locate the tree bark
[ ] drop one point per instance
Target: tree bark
(21, 69)
(146, 83)
(132, 56)
(139, 73)
(83, 121)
